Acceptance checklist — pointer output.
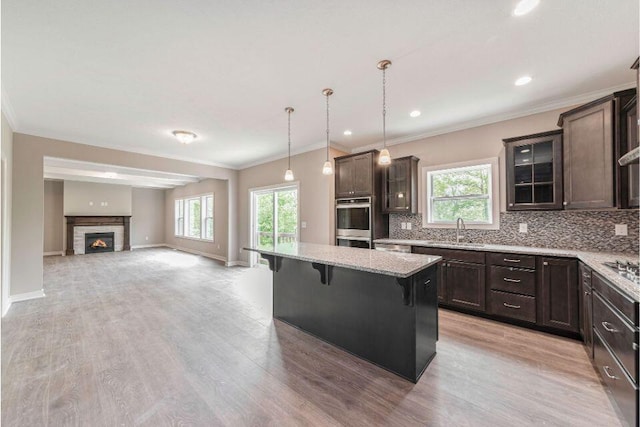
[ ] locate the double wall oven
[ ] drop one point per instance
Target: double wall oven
(354, 222)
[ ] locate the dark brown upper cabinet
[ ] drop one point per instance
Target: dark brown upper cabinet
(356, 174)
(628, 177)
(534, 171)
(589, 134)
(400, 186)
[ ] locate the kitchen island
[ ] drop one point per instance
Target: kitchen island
(379, 306)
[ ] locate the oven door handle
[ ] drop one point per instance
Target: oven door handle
(354, 205)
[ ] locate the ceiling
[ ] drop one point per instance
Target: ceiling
(125, 74)
(72, 170)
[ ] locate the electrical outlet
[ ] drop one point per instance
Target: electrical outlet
(621, 230)
(303, 224)
(523, 227)
(408, 226)
(403, 225)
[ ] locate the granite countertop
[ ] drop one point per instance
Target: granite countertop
(388, 263)
(594, 260)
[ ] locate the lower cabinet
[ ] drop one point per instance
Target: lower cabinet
(558, 302)
(465, 284)
(586, 305)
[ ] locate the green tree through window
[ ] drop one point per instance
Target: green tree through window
(461, 193)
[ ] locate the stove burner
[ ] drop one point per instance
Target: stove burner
(628, 270)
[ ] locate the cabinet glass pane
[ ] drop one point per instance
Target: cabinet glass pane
(543, 152)
(523, 174)
(524, 194)
(397, 195)
(543, 172)
(543, 193)
(522, 155)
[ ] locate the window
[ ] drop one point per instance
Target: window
(194, 217)
(462, 191)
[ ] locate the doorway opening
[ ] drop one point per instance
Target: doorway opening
(274, 218)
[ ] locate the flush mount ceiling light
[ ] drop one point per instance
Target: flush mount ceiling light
(415, 113)
(525, 6)
(184, 136)
(288, 174)
(347, 132)
(327, 169)
(385, 157)
(523, 80)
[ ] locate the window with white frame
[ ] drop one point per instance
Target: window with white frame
(468, 191)
(194, 217)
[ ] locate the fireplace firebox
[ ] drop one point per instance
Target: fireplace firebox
(98, 242)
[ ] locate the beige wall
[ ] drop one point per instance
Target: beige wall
(147, 216)
(94, 198)
(53, 216)
(315, 198)
(474, 144)
(6, 190)
(217, 248)
(28, 201)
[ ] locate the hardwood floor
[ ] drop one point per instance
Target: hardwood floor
(159, 337)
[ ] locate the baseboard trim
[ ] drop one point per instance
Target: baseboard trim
(236, 263)
(54, 253)
(7, 306)
(153, 245)
(27, 296)
(195, 252)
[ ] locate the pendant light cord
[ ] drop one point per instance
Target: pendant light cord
(327, 96)
(289, 138)
(384, 108)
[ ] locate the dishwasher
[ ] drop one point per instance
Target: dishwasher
(386, 247)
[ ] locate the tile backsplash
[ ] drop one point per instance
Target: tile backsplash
(580, 230)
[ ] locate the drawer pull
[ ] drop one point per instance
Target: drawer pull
(587, 293)
(506, 279)
(427, 282)
(606, 371)
(586, 275)
(607, 327)
(510, 260)
(511, 305)
(634, 346)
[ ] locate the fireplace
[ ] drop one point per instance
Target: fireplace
(98, 242)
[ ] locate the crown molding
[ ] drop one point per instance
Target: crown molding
(295, 152)
(7, 109)
(540, 108)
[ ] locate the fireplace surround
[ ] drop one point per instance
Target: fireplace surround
(96, 221)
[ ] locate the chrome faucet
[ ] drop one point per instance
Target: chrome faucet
(459, 222)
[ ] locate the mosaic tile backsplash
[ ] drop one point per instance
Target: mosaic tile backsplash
(580, 230)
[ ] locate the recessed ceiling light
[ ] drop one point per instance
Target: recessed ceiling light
(347, 132)
(110, 174)
(415, 113)
(525, 6)
(523, 81)
(185, 137)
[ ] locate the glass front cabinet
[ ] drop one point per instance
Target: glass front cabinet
(534, 171)
(401, 186)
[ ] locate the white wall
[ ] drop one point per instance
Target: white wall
(92, 198)
(6, 190)
(53, 216)
(147, 216)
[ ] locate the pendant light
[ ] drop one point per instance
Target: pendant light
(385, 157)
(288, 175)
(327, 169)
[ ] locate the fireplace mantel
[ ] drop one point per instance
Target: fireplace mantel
(92, 220)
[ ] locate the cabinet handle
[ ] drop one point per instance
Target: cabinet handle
(510, 260)
(545, 263)
(506, 279)
(565, 203)
(607, 327)
(634, 346)
(511, 306)
(587, 293)
(510, 204)
(427, 282)
(586, 275)
(606, 371)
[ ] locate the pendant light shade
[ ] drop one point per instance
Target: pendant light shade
(288, 175)
(327, 168)
(384, 158)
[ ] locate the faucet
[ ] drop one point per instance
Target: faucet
(459, 222)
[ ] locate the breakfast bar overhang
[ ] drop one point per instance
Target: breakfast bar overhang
(379, 306)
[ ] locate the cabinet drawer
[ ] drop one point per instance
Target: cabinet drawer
(623, 391)
(512, 279)
(512, 260)
(619, 301)
(519, 307)
(618, 335)
(452, 254)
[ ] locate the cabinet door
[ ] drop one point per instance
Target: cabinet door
(559, 290)
(586, 305)
(397, 192)
(465, 285)
(588, 158)
(442, 284)
(633, 170)
(344, 177)
(363, 175)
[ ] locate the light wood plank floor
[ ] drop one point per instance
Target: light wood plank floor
(158, 337)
